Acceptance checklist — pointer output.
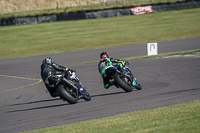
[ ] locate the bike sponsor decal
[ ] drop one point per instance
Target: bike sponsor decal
(142, 10)
(80, 89)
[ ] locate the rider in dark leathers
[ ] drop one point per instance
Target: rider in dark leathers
(106, 61)
(49, 68)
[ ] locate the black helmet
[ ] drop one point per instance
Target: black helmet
(104, 55)
(48, 60)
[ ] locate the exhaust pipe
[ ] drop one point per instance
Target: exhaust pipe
(69, 83)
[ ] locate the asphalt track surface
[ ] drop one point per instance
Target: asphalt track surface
(26, 105)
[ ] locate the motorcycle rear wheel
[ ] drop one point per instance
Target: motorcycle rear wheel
(123, 83)
(65, 94)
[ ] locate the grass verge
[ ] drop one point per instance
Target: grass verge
(179, 118)
(63, 36)
(142, 57)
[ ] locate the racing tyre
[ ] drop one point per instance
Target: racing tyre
(86, 95)
(67, 95)
(138, 86)
(123, 84)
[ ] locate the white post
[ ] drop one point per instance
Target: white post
(41, 8)
(104, 3)
(2, 11)
(23, 9)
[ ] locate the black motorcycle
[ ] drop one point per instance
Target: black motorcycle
(122, 77)
(70, 90)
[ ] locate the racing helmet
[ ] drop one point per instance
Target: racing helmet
(48, 60)
(104, 55)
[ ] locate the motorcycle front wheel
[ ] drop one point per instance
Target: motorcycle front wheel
(67, 95)
(86, 95)
(138, 86)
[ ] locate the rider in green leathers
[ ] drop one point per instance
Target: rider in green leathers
(106, 61)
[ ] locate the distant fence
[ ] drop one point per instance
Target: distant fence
(38, 6)
(94, 14)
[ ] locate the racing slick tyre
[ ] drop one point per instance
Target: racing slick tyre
(138, 86)
(123, 84)
(86, 95)
(67, 95)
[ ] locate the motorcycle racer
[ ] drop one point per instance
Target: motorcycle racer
(48, 69)
(105, 62)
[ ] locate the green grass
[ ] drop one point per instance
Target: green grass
(88, 6)
(87, 34)
(179, 118)
(63, 36)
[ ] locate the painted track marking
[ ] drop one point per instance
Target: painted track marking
(39, 80)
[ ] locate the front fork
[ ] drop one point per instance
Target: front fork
(134, 82)
(72, 85)
(131, 78)
(81, 90)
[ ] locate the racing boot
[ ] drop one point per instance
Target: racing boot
(55, 94)
(114, 83)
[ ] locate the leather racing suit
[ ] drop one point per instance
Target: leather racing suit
(103, 64)
(47, 70)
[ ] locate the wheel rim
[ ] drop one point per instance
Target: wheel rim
(127, 81)
(70, 91)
